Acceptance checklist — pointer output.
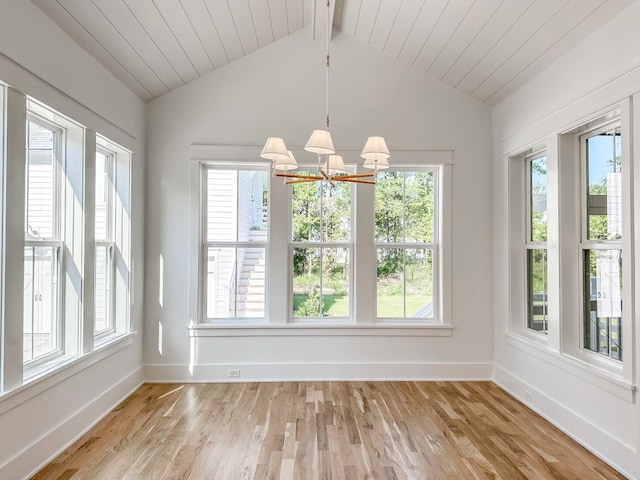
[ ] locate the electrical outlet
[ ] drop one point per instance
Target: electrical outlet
(528, 396)
(234, 372)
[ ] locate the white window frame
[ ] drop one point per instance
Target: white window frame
(109, 244)
(529, 244)
(205, 244)
(435, 247)
(566, 187)
(56, 243)
(119, 242)
(278, 319)
(600, 244)
(348, 245)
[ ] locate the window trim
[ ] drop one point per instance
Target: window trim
(435, 246)
(564, 345)
(110, 244)
(205, 244)
(277, 323)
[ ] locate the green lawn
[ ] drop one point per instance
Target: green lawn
(389, 306)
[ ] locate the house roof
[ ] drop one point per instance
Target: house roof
(485, 48)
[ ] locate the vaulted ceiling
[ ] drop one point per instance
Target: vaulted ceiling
(485, 48)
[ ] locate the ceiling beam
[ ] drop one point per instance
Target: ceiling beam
(319, 17)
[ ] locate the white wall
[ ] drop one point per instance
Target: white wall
(280, 91)
(38, 59)
(602, 70)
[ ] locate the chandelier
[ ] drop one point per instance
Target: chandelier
(330, 166)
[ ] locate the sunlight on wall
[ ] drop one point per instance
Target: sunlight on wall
(160, 337)
(161, 282)
(192, 354)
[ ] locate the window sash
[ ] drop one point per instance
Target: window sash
(57, 167)
(109, 158)
(584, 183)
(588, 244)
(530, 245)
(436, 172)
(434, 250)
(109, 289)
(57, 324)
(321, 247)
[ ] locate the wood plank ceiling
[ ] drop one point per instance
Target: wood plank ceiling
(485, 48)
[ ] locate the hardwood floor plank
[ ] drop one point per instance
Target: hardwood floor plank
(325, 430)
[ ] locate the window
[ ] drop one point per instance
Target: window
(305, 253)
(536, 242)
(569, 207)
(407, 240)
(43, 243)
(601, 241)
(321, 249)
(66, 249)
(105, 244)
(234, 241)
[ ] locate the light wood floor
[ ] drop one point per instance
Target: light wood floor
(325, 430)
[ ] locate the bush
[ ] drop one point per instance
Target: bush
(311, 306)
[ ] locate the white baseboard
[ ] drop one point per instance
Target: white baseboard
(273, 372)
(51, 444)
(619, 455)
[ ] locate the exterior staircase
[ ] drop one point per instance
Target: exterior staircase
(252, 278)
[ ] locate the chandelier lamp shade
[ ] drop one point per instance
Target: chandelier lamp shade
(330, 167)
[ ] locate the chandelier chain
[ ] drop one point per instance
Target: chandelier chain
(328, 61)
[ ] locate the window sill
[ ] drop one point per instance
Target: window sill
(600, 377)
(308, 329)
(47, 375)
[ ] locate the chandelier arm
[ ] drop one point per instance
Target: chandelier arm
(293, 175)
(354, 180)
(358, 175)
(303, 180)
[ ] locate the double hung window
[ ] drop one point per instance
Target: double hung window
(321, 224)
(536, 242)
(601, 241)
(105, 244)
(234, 241)
(407, 243)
